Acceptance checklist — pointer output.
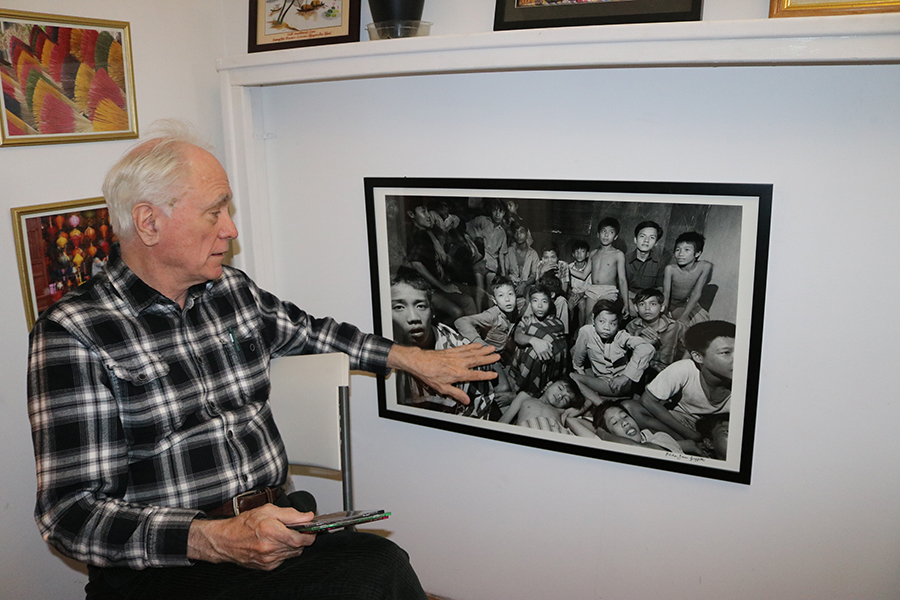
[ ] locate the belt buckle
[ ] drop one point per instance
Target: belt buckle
(235, 505)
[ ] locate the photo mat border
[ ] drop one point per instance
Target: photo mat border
(749, 319)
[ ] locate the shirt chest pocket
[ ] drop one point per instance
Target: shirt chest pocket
(249, 363)
(148, 409)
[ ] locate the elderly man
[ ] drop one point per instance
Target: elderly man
(147, 397)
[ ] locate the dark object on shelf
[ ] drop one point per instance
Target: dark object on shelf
(532, 14)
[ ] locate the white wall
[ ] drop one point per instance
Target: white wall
(484, 519)
(820, 519)
(175, 45)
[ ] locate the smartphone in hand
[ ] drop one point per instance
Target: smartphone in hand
(338, 520)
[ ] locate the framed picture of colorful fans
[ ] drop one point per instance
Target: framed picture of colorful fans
(65, 79)
(626, 317)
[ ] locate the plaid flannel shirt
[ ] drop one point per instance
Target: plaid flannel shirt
(144, 414)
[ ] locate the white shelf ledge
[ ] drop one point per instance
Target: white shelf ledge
(858, 39)
(852, 39)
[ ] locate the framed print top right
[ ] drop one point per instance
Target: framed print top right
(815, 8)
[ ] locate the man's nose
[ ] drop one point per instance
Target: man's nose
(229, 229)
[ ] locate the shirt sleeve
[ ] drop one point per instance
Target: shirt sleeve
(641, 353)
(470, 325)
(579, 352)
(82, 463)
(670, 380)
(290, 331)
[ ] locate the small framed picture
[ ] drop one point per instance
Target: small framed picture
(59, 246)
(815, 8)
(65, 79)
(627, 315)
(282, 24)
(529, 14)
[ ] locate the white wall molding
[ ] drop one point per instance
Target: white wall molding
(853, 39)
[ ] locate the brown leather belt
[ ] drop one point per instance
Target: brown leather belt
(246, 501)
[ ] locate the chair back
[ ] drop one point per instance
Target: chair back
(309, 399)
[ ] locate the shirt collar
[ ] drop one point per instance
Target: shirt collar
(135, 291)
(633, 256)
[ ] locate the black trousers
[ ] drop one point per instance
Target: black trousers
(342, 565)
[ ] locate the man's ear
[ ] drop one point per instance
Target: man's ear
(697, 357)
(143, 216)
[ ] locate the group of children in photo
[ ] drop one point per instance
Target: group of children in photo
(609, 345)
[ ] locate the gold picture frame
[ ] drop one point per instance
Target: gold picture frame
(816, 8)
(59, 246)
(65, 79)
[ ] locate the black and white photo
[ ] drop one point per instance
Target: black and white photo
(627, 315)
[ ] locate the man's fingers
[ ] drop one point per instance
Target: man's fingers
(475, 353)
(455, 393)
(483, 375)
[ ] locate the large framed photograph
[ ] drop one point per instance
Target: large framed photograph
(282, 24)
(627, 315)
(59, 246)
(65, 79)
(529, 14)
(815, 8)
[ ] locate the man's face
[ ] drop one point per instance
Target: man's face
(718, 358)
(685, 253)
(720, 439)
(559, 394)
(193, 240)
(421, 216)
(505, 297)
(606, 324)
(618, 422)
(646, 239)
(540, 305)
(411, 314)
(497, 215)
(649, 309)
(608, 235)
(521, 235)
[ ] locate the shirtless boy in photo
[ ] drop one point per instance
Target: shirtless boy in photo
(608, 280)
(683, 281)
(543, 413)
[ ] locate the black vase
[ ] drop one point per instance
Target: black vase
(396, 10)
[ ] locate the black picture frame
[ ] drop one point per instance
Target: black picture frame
(317, 28)
(525, 14)
(735, 218)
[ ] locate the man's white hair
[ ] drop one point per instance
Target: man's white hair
(153, 171)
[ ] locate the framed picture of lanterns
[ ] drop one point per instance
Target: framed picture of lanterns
(59, 246)
(65, 79)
